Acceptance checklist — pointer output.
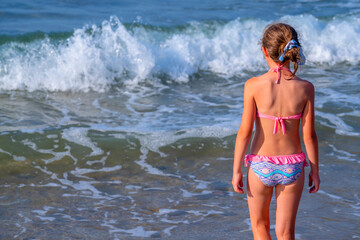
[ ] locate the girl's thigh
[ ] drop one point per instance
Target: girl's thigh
(287, 202)
(259, 197)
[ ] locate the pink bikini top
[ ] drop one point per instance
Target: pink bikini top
(277, 120)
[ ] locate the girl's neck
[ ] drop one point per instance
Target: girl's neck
(273, 64)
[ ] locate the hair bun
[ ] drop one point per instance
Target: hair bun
(282, 44)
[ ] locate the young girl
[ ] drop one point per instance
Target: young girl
(276, 102)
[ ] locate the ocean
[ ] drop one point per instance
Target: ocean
(118, 118)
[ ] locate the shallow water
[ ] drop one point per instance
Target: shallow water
(125, 129)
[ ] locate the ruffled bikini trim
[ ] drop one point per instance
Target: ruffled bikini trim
(281, 160)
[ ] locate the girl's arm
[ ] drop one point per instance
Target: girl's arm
(310, 140)
(243, 136)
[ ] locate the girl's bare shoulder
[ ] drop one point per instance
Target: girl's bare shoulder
(252, 85)
(254, 81)
(305, 84)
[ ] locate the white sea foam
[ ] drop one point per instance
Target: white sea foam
(56, 155)
(24, 221)
(79, 136)
(167, 231)
(205, 213)
(247, 223)
(138, 231)
(85, 188)
(96, 57)
(338, 124)
(83, 62)
(41, 214)
(187, 194)
(333, 196)
(343, 155)
(16, 158)
(329, 42)
(153, 141)
(82, 171)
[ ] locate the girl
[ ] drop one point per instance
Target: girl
(276, 101)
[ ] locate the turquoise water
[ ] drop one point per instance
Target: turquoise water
(118, 120)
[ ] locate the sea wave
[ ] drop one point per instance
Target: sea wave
(98, 57)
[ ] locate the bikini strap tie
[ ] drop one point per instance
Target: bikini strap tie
(282, 123)
(278, 120)
(277, 70)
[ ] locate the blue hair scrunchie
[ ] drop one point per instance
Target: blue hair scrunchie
(292, 44)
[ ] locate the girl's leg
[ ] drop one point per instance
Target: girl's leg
(287, 203)
(259, 198)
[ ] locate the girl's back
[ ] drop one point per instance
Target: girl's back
(286, 98)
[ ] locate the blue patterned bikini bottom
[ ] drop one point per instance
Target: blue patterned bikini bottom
(272, 174)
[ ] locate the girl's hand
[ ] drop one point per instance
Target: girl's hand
(237, 182)
(314, 179)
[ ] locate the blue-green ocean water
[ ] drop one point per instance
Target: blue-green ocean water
(118, 118)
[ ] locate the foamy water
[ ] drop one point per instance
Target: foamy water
(98, 57)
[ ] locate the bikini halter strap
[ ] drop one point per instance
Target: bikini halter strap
(277, 70)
